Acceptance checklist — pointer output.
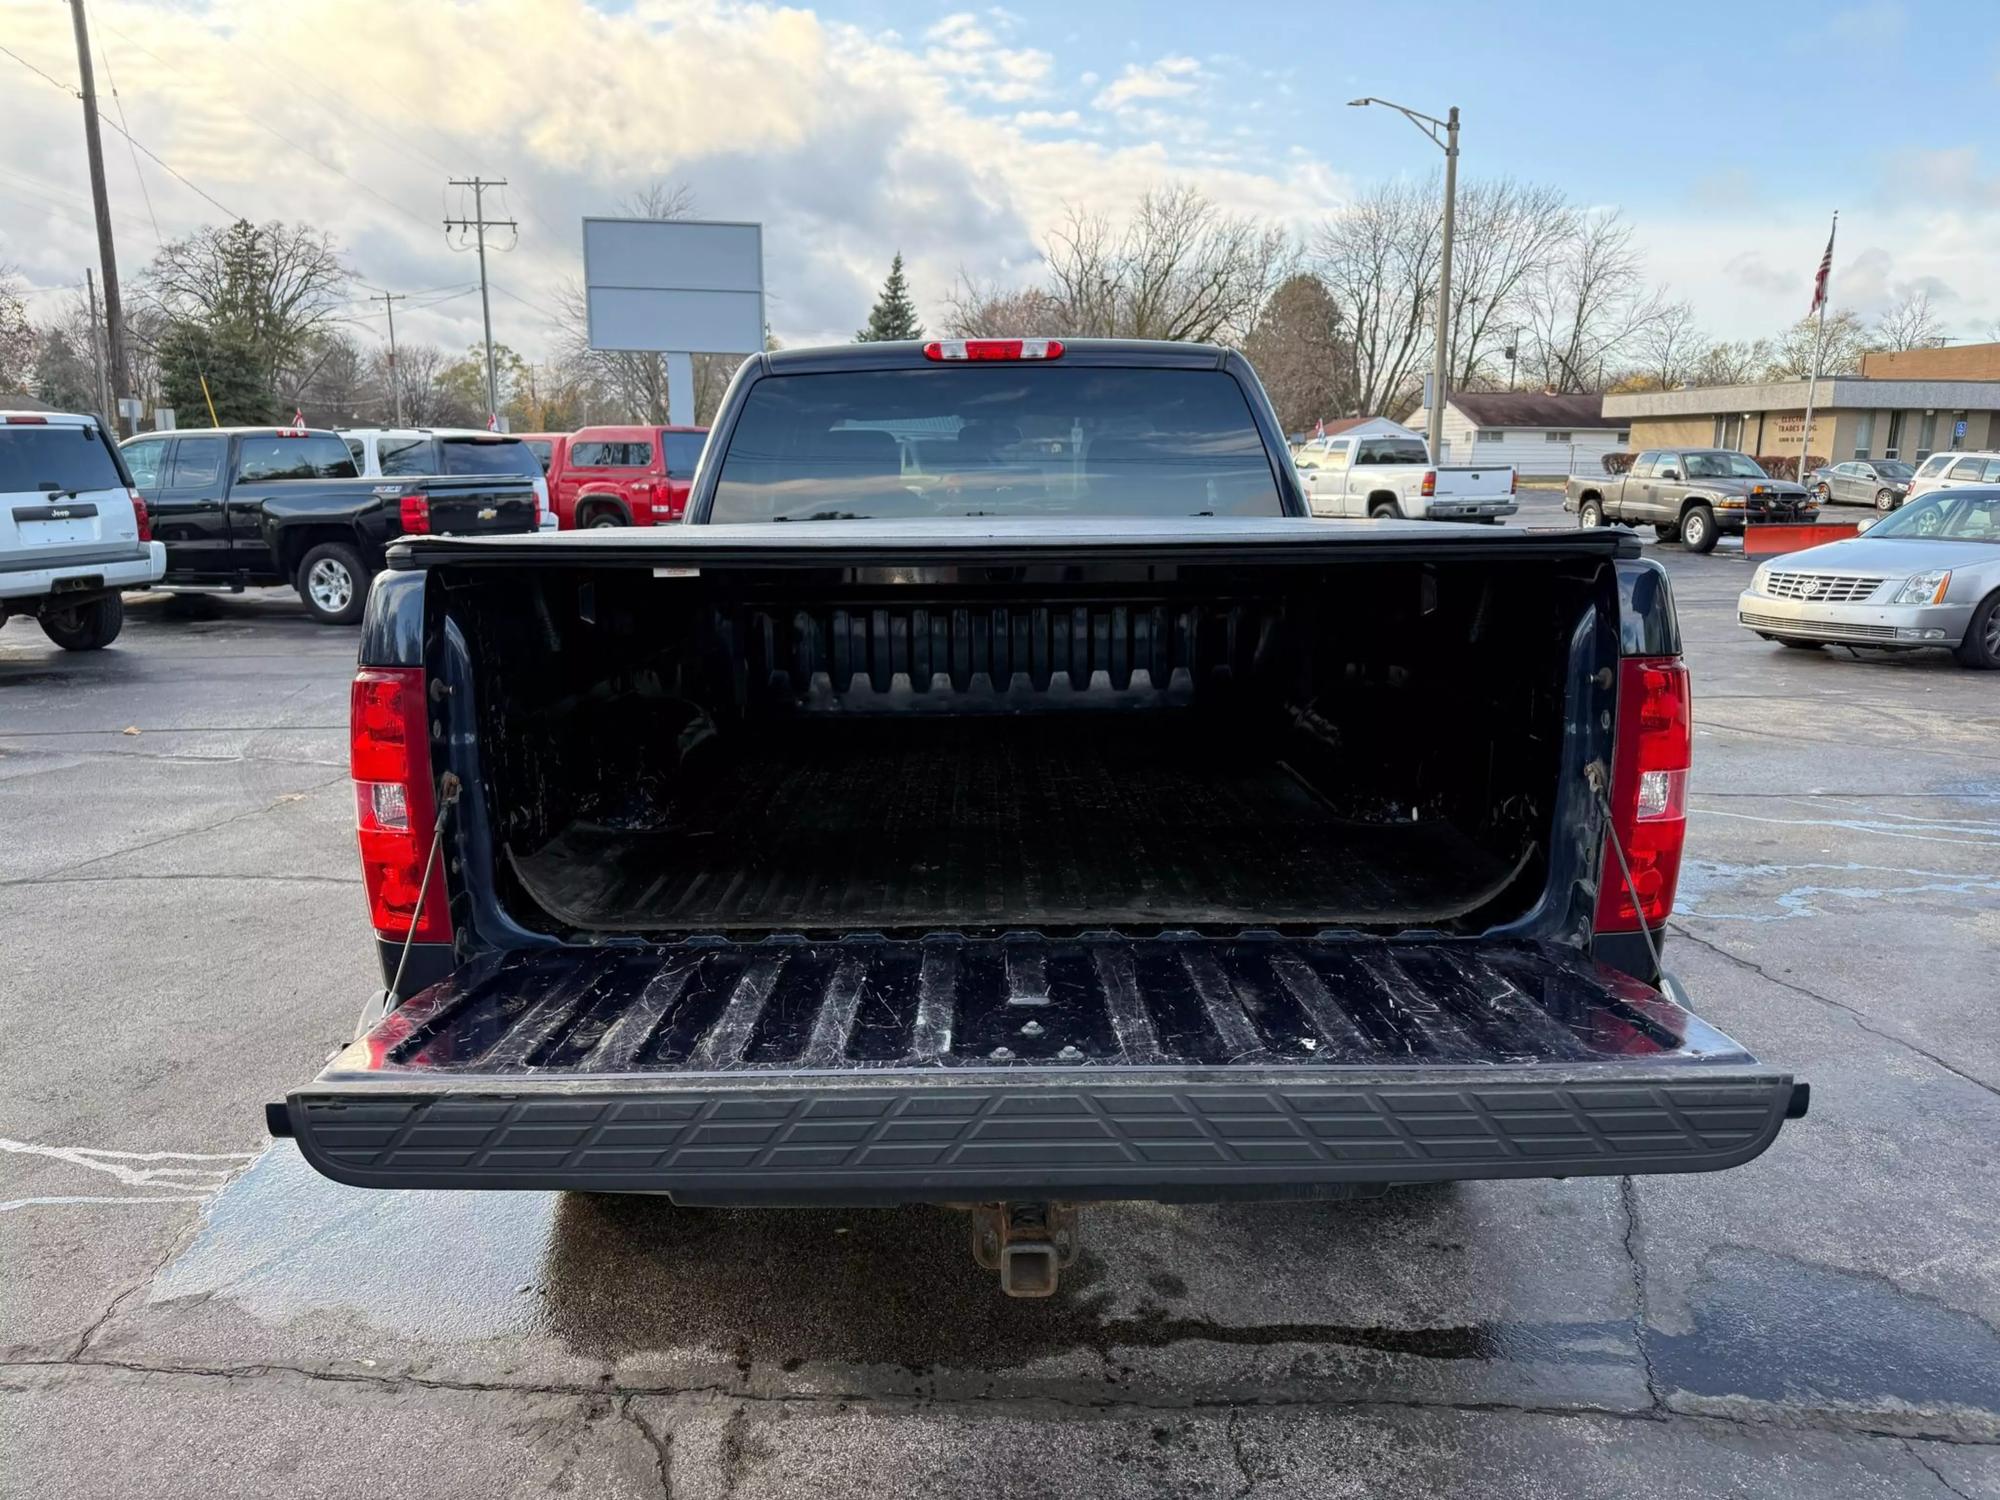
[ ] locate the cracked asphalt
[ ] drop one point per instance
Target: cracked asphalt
(186, 1309)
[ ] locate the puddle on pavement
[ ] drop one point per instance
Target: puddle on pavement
(610, 1277)
(1781, 1330)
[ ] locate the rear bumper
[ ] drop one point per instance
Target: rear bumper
(1468, 510)
(127, 567)
(1125, 1135)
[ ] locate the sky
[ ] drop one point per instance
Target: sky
(1727, 133)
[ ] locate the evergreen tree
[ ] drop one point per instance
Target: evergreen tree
(894, 315)
(228, 355)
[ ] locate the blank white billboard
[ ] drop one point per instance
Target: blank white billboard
(686, 285)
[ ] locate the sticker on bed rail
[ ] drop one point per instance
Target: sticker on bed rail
(677, 572)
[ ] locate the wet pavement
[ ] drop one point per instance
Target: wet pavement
(186, 1309)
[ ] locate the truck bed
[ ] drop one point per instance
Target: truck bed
(871, 1069)
(1026, 822)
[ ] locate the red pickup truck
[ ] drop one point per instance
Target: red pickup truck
(623, 476)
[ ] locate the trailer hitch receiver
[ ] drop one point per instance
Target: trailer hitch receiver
(1029, 1244)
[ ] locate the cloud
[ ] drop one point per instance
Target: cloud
(859, 144)
(1168, 78)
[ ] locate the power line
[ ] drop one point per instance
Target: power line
(478, 224)
(118, 102)
(151, 155)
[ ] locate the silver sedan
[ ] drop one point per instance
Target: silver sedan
(1926, 576)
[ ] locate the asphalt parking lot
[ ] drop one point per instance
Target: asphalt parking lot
(187, 1309)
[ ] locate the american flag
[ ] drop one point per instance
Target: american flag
(1319, 428)
(1825, 270)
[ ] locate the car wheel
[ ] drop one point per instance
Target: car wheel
(1590, 515)
(1667, 532)
(1385, 510)
(1798, 645)
(1981, 646)
(333, 583)
(85, 627)
(1698, 529)
(1824, 494)
(1885, 499)
(603, 520)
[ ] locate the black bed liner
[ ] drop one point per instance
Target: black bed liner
(1014, 823)
(947, 1068)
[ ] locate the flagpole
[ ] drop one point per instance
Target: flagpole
(1819, 351)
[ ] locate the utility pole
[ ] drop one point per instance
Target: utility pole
(104, 411)
(389, 301)
(479, 224)
(114, 313)
(1444, 135)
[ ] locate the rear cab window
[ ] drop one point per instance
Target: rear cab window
(610, 455)
(1392, 451)
(57, 458)
(474, 455)
(683, 450)
(314, 456)
(995, 440)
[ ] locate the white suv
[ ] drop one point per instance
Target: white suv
(1950, 469)
(73, 531)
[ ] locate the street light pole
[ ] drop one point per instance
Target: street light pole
(1444, 135)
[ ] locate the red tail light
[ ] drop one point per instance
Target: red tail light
(416, 514)
(956, 349)
(665, 504)
(1649, 774)
(395, 809)
(1430, 482)
(141, 515)
(1514, 481)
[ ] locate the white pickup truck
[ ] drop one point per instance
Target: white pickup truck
(1394, 477)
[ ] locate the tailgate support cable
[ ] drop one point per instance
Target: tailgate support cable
(1594, 774)
(448, 785)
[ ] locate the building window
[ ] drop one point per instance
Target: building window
(1864, 434)
(1895, 446)
(1927, 434)
(1492, 435)
(1625, 438)
(1555, 437)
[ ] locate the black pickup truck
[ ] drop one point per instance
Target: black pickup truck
(1005, 795)
(245, 506)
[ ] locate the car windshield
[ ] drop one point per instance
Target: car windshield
(1722, 466)
(490, 456)
(1946, 516)
(995, 440)
(55, 459)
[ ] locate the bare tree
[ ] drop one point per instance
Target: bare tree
(1665, 350)
(1300, 356)
(1180, 268)
(1804, 347)
(1732, 363)
(18, 340)
(1508, 234)
(428, 398)
(1910, 324)
(976, 309)
(1378, 258)
(1588, 305)
(278, 287)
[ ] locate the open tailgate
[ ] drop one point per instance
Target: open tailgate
(945, 1069)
